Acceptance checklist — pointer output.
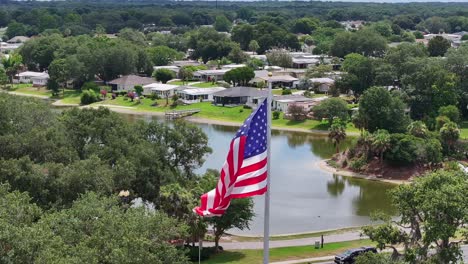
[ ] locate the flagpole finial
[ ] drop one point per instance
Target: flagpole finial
(270, 74)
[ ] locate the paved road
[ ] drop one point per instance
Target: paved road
(289, 243)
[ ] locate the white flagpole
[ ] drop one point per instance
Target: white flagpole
(266, 225)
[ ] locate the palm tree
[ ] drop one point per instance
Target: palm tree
(12, 65)
(417, 129)
(337, 132)
(450, 134)
(381, 142)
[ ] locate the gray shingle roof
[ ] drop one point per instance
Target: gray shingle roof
(132, 80)
(241, 91)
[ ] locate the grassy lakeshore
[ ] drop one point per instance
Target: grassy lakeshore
(208, 111)
(285, 253)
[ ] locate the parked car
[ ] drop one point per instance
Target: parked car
(349, 256)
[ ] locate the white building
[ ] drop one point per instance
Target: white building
(282, 102)
(196, 95)
(209, 75)
(232, 66)
(40, 80)
(27, 76)
(172, 68)
(161, 89)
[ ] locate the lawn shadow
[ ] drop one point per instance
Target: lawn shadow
(225, 257)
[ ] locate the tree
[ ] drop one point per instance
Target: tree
(163, 75)
(222, 24)
(12, 64)
(88, 97)
(449, 133)
(451, 112)
(421, 206)
(185, 74)
(3, 78)
(379, 109)
(138, 89)
(305, 25)
(239, 76)
(162, 55)
(361, 67)
(244, 35)
(366, 42)
(53, 86)
(253, 46)
(238, 215)
(237, 55)
(297, 112)
(438, 46)
(380, 142)
(337, 132)
(133, 36)
(279, 58)
(330, 109)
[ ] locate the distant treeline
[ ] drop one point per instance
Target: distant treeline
(81, 17)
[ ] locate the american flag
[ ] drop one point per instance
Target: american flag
(244, 173)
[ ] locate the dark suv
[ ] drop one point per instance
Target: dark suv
(349, 256)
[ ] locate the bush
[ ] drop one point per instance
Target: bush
(206, 252)
(241, 110)
(451, 112)
(358, 164)
(407, 149)
(276, 114)
(123, 93)
(90, 86)
(297, 112)
(154, 96)
(331, 108)
(89, 97)
(247, 107)
(441, 121)
(286, 92)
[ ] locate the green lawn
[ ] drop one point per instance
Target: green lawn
(464, 130)
(28, 89)
(209, 111)
(285, 253)
(280, 91)
(205, 85)
(70, 96)
(180, 82)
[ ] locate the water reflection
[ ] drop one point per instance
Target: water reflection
(303, 197)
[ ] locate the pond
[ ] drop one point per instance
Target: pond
(304, 198)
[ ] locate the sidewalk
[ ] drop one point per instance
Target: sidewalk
(348, 236)
(298, 261)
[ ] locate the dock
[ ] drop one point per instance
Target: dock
(175, 114)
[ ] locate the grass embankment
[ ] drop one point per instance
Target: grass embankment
(205, 85)
(229, 114)
(285, 253)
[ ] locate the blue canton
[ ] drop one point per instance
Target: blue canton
(255, 128)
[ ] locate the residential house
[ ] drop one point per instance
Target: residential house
(353, 25)
(128, 82)
(40, 80)
(190, 95)
(171, 67)
(279, 79)
(455, 39)
(18, 39)
(210, 75)
(232, 66)
(322, 84)
(9, 47)
(27, 77)
(160, 89)
(282, 102)
(182, 63)
(304, 62)
(240, 96)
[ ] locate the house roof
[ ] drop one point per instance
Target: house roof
(160, 87)
(212, 72)
(232, 66)
(132, 80)
(18, 39)
(282, 78)
(182, 63)
(31, 74)
(322, 80)
(305, 60)
(200, 91)
(293, 99)
(241, 91)
(44, 76)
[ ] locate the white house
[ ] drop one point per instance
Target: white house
(240, 95)
(196, 95)
(27, 76)
(282, 102)
(128, 82)
(232, 66)
(209, 75)
(41, 80)
(323, 84)
(160, 89)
